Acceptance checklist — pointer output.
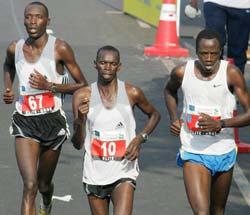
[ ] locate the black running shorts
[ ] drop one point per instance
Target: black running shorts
(49, 130)
(105, 191)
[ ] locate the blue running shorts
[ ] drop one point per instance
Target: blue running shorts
(215, 163)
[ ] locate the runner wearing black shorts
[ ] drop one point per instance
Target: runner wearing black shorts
(39, 123)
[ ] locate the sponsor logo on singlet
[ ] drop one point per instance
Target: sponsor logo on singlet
(119, 125)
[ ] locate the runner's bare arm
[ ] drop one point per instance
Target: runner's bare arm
(237, 82)
(9, 73)
(137, 98)
(64, 58)
(171, 97)
(80, 107)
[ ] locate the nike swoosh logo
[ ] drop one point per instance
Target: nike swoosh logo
(216, 85)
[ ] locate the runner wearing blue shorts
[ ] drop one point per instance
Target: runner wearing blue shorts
(208, 150)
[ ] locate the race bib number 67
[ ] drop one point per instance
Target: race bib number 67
(38, 103)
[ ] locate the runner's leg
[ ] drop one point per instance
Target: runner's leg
(47, 165)
(27, 154)
(197, 180)
(220, 189)
(98, 206)
(122, 198)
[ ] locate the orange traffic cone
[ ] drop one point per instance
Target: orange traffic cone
(167, 42)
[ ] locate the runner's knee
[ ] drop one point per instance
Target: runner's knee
(44, 187)
(30, 187)
(202, 212)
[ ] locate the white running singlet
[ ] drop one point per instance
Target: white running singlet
(108, 133)
(213, 98)
(32, 101)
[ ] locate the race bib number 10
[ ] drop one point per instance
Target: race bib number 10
(112, 149)
(38, 103)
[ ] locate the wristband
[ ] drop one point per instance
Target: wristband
(53, 88)
(144, 137)
(222, 124)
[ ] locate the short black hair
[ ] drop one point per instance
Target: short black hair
(108, 48)
(40, 4)
(208, 34)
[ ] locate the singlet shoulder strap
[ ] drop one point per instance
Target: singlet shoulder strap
(222, 73)
(94, 97)
(122, 106)
(49, 49)
(189, 71)
(19, 49)
(121, 92)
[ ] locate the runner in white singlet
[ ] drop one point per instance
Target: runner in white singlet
(104, 123)
(39, 123)
(208, 150)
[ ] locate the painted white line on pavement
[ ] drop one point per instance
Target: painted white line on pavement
(114, 12)
(169, 64)
(242, 183)
(143, 24)
(66, 198)
(19, 30)
(3, 166)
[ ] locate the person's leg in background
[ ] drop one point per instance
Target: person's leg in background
(216, 18)
(238, 35)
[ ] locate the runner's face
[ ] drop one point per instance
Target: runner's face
(107, 65)
(35, 20)
(209, 54)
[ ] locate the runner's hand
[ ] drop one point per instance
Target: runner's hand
(175, 127)
(8, 96)
(83, 108)
(133, 149)
(208, 124)
(39, 81)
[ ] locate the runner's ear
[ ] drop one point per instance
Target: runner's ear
(95, 64)
(119, 67)
(48, 22)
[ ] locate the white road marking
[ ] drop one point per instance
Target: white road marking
(66, 198)
(4, 166)
(19, 30)
(114, 12)
(169, 64)
(242, 183)
(143, 24)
